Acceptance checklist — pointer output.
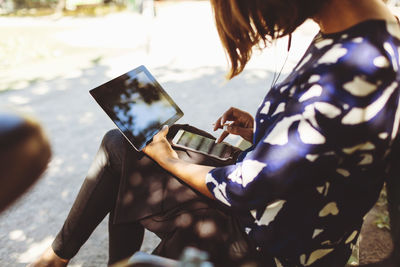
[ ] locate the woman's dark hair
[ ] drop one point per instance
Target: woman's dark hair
(243, 24)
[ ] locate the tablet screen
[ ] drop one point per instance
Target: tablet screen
(138, 105)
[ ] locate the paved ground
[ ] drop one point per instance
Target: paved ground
(47, 66)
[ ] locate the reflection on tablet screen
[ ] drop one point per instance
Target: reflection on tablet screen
(137, 104)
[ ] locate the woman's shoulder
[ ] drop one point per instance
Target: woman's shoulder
(351, 69)
(367, 47)
(366, 52)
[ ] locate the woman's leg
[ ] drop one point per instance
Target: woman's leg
(116, 164)
(95, 200)
(204, 226)
(123, 240)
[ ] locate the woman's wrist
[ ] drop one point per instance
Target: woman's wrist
(169, 163)
(192, 174)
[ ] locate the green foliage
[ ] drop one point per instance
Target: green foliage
(97, 60)
(48, 7)
(18, 4)
(382, 219)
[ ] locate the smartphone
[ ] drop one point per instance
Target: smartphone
(202, 144)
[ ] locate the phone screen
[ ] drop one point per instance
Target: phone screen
(203, 144)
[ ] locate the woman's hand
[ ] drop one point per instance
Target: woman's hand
(242, 124)
(192, 174)
(160, 149)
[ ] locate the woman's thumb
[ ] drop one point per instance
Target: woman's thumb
(162, 133)
(164, 130)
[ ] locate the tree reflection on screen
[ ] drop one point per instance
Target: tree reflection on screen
(135, 103)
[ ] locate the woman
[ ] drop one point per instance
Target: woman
(321, 143)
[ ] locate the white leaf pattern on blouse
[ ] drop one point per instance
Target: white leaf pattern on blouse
(390, 50)
(329, 209)
(266, 108)
(250, 170)
(317, 232)
(360, 87)
(328, 110)
(393, 29)
(360, 115)
(343, 172)
(279, 109)
(323, 43)
(351, 237)
(359, 147)
(381, 62)
(383, 135)
(280, 133)
(309, 135)
(333, 55)
(314, 78)
(366, 159)
(314, 91)
(316, 255)
(270, 212)
(312, 157)
(304, 61)
(357, 40)
(396, 123)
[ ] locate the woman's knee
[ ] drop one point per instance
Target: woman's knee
(114, 145)
(118, 148)
(113, 139)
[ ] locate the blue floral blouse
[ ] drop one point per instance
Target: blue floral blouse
(320, 143)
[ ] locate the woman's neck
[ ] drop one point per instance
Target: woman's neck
(338, 15)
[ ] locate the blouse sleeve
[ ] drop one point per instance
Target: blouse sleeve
(335, 119)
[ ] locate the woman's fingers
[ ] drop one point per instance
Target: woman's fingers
(237, 116)
(222, 137)
(217, 124)
(161, 134)
(227, 116)
(240, 123)
(246, 133)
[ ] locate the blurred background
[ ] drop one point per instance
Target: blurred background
(52, 52)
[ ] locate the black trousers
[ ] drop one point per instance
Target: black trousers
(138, 194)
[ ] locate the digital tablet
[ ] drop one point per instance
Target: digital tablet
(138, 105)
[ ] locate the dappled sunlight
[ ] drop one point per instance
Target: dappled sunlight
(65, 194)
(34, 250)
(63, 118)
(17, 235)
(173, 75)
(18, 100)
(41, 90)
(55, 165)
(97, 28)
(74, 74)
(184, 220)
(86, 118)
(206, 229)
